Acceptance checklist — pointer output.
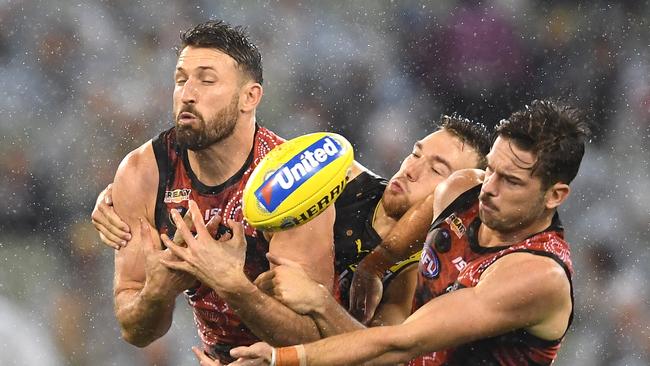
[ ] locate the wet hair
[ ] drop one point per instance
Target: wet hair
(472, 133)
(555, 133)
(233, 41)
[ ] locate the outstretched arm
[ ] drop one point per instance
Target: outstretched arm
(289, 284)
(519, 291)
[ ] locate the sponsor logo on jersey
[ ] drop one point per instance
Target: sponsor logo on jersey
(284, 181)
(177, 195)
(456, 225)
(429, 263)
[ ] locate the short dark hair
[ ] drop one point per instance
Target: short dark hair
(555, 133)
(472, 133)
(233, 41)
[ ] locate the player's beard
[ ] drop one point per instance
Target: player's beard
(395, 205)
(209, 132)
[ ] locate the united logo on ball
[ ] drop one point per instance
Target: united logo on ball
(297, 180)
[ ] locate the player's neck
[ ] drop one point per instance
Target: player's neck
(382, 223)
(488, 237)
(220, 161)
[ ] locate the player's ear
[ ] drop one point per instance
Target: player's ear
(250, 96)
(556, 195)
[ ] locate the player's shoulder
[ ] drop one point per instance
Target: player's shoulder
(138, 170)
(357, 169)
(265, 135)
(516, 261)
(139, 158)
(530, 270)
(363, 185)
(455, 185)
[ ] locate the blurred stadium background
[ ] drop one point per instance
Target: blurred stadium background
(84, 82)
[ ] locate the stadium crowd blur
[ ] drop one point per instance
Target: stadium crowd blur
(85, 82)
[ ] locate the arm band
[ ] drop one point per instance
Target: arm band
(290, 356)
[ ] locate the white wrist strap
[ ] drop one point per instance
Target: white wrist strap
(302, 357)
(273, 352)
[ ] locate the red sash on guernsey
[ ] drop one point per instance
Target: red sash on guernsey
(453, 259)
(219, 327)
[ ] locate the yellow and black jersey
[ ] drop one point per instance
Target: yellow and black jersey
(354, 236)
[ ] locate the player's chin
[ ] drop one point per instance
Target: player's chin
(491, 220)
(395, 204)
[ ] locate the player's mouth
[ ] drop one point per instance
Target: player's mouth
(396, 187)
(487, 206)
(186, 118)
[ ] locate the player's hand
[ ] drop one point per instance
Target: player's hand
(218, 263)
(258, 354)
(161, 282)
(291, 285)
(205, 360)
(366, 291)
(113, 232)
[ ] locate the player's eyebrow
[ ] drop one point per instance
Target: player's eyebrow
(436, 157)
(181, 69)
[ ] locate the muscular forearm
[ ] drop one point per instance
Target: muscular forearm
(143, 318)
(376, 346)
(409, 234)
(267, 318)
(332, 319)
(405, 239)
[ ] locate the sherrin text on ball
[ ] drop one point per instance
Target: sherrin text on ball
(297, 180)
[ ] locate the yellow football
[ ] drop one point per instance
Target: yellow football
(297, 180)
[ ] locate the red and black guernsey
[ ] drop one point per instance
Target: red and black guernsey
(219, 327)
(452, 258)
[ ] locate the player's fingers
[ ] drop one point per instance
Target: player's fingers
(226, 236)
(106, 215)
(177, 265)
(243, 352)
(369, 309)
(259, 350)
(267, 288)
(187, 219)
(197, 218)
(213, 225)
(176, 249)
(145, 234)
(118, 226)
(181, 228)
(280, 261)
(109, 238)
(265, 282)
(178, 238)
(108, 194)
(237, 230)
(204, 360)
(356, 304)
